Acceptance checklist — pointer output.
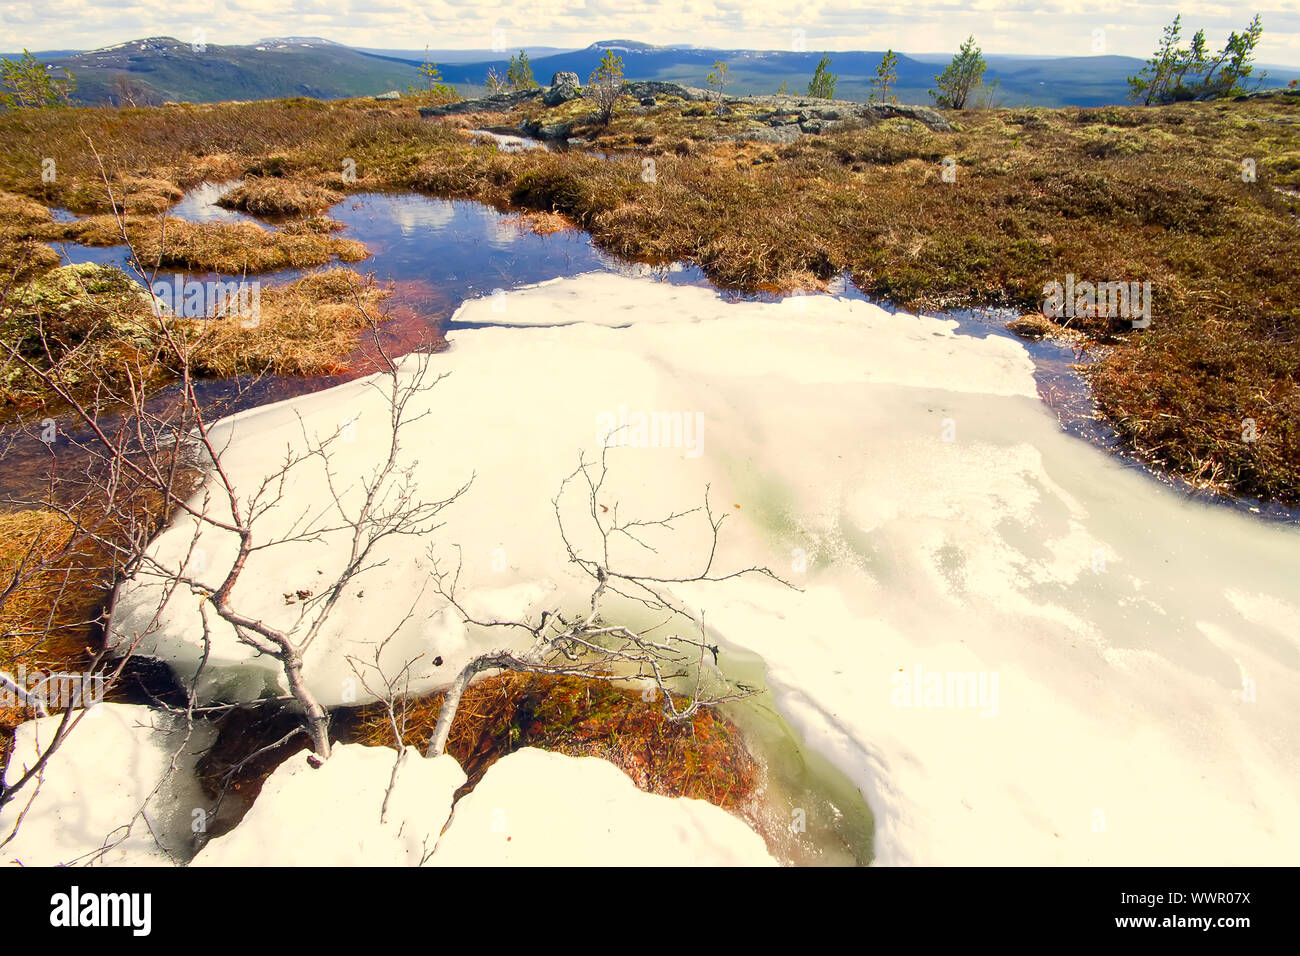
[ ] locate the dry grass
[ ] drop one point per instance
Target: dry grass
(1034, 326)
(243, 248)
(308, 327)
(50, 619)
(541, 223)
(25, 538)
(16, 210)
(22, 259)
(140, 196)
(268, 196)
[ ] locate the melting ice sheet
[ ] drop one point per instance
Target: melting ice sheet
(1020, 650)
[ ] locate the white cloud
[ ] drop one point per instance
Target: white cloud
(1002, 26)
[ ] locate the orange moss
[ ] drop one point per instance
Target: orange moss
(703, 758)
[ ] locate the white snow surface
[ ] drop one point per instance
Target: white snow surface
(1139, 652)
(538, 808)
(93, 786)
(330, 815)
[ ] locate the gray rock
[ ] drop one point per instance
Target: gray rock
(1257, 94)
(807, 110)
(767, 134)
(642, 89)
(551, 131)
(564, 87)
(496, 103)
(390, 95)
(783, 117)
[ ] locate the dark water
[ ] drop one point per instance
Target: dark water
(200, 205)
(433, 254)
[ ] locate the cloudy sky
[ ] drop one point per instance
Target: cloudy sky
(1002, 26)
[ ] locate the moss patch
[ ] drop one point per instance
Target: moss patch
(703, 758)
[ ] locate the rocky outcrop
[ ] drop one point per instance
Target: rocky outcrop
(496, 103)
(778, 118)
(1264, 94)
(822, 116)
(655, 89)
(390, 95)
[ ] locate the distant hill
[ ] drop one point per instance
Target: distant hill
(163, 68)
(463, 56)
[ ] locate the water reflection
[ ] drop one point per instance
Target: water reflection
(200, 205)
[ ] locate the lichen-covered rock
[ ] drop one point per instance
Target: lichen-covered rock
(564, 87)
(551, 131)
(825, 113)
(94, 313)
(495, 103)
(770, 134)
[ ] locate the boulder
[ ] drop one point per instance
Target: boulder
(549, 131)
(564, 87)
(390, 95)
(643, 89)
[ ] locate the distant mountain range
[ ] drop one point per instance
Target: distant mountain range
(159, 69)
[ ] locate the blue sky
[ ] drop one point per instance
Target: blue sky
(1001, 26)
